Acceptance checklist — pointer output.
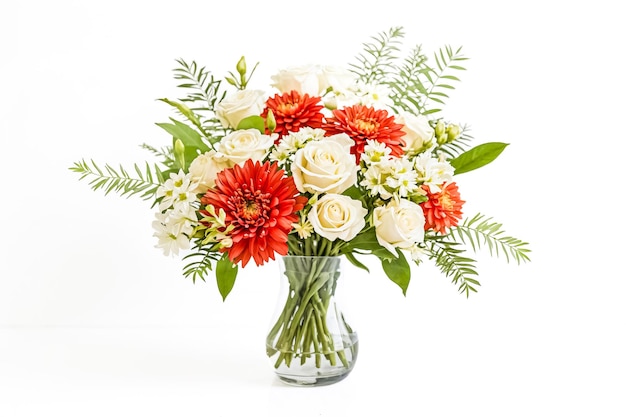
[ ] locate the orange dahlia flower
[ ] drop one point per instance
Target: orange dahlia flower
(362, 123)
(262, 204)
(293, 111)
(442, 210)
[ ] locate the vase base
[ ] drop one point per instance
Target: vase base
(312, 381)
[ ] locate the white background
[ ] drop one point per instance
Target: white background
(95, 321)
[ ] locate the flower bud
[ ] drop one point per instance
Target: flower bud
(453, 132)
(440, 128)
(443, 138)
(270, 121)
(179, 152)
(241, 66)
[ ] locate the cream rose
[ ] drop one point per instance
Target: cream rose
(339, 79)
(325, 165)
(418, 131)
(204, 169)
(241, 145)
(399, 224)
(336, 216)
(237, 106)
(304, 79)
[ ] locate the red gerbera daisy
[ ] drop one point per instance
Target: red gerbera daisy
(362, 123)
(293, 111)
(443, 209)
(261, 203)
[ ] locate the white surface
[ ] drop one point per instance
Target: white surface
(94, 321)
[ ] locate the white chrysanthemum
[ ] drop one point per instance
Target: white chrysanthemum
(376, 96)
(175, 190)
(432, 171)
(375, 152)
(291, 143)
(172, 236)
(403, 178)
(375, 180)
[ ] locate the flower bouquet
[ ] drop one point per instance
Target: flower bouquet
(326, 163)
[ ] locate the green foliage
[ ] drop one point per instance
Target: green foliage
(481, 231)
(119, 180)
(448, 258)
(398, 270)
(378, 57)
(477, 157)
(202, 258)
(415, 85)
(225, 274)
(203, 93)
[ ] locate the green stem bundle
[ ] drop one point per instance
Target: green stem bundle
(301, 329)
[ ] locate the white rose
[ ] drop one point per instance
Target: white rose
(325, 166)
(399, 224)
(204, 169)
(336, 216)
(418, 131)
(237, 106)
(304, 79)
(339, 79)
(241, 145)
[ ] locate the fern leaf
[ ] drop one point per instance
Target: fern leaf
(378, 56)
(119, 181)
(450, 261)
(481, 231)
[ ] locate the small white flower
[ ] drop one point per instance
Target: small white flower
(375, 152)
(432, 171)
(377, 96)
(170, 191)
(172, 236)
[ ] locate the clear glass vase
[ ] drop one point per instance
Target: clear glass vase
(310, 343)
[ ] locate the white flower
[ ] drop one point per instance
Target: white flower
(203, 170)
(432, 171)
(376, 96)
(337, 79)
(418, 132)
(399, 224)
(336, 216)
(325, 166)
(403, 178)
(375, 152)
(239, 105)
(241, 145)
(304, 228)
(375, 180)
(175, 191)
(304, 79)
(173, 236)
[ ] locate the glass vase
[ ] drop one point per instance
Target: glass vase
(310, 343)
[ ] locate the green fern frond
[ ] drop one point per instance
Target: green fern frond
(204, 92)
(109, 179)
(450, 261)
(405, 84)
(378, 56)
(439, 80)
(481, 231)
(204, 258)
(166, 154)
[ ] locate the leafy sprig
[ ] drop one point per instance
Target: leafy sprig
(118, 180)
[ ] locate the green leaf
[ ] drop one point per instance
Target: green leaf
(354, 261)
(477, 157)
(398, 270)
(252, 122)
(189, 137)
(225, 274)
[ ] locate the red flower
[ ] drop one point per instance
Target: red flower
(362, 123)
(261, 203)
(293, 111)
(443, 209)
